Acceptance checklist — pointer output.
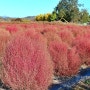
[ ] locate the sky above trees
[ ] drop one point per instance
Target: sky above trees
(22, 8)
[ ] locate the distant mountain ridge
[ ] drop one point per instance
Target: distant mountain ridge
(7, 18)
(30, 17)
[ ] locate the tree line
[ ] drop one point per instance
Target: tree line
(66, 11)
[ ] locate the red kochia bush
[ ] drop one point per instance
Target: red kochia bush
(66, 61)
(82, 44)
(51, 36)
(58, 52)
(66, 36)
(11, 28)
(4, 37)
(27, 63)
(74, 61)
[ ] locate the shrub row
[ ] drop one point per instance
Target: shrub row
(31, 54)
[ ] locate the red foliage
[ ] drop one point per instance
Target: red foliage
(74, 61)
(82, 44)
(58, 52)
(66, 36)
(75, 29)
(60, 37)
(66, 61)
(51, 36)
(27, 63)
(4, 37)
(11, 28)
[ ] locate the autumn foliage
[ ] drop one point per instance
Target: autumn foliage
(27, 63)
(4, 38)
(66, 36)
(66, 60)
(82, 44)
(32, 53)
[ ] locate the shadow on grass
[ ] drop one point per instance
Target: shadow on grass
(68, 84)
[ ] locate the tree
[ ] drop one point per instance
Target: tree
(89, 18)
(68, 9)
(61, 15)
(40, 17)
(84, 16)
(74, 15)
(53, 16)
(47, 17)
(17, 20)
(43, 17)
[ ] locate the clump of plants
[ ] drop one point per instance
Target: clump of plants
(4, 38)
(27, 64)
(66, 60)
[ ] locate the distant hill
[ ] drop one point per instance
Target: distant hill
(6, 18)
(30, 17)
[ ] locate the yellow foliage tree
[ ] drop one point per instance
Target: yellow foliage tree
(47, 16)
(40, 17)
(43, 17)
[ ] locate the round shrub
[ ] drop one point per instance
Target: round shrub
(82, 44)
(66, 60)
(27, 63)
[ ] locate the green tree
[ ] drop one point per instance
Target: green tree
(53, 16)
(68, 9)
(84, 16)
(89, 19)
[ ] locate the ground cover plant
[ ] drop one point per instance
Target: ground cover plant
(4, 38)
(33, 53)
(27, 63)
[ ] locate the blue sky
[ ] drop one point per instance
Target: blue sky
(22, 8)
